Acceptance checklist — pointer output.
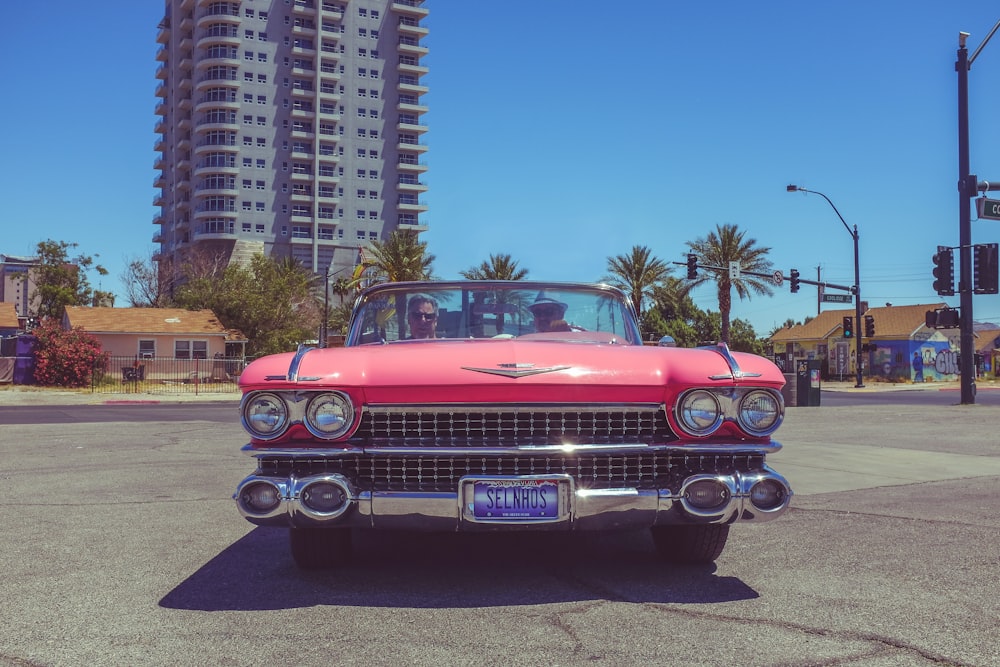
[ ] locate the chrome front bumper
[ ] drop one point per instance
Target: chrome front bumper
(286, 501)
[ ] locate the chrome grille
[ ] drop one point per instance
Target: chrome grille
(411, 472)
(463, 425)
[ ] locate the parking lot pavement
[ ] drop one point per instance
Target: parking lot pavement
(123, 546)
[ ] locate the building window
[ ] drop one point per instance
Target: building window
(191, 349)
(147, 349)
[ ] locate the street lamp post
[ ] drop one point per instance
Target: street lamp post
(857, 282)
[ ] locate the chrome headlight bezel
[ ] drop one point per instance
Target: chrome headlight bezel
(251, 419)
(701, 411)
(318, 423)
(759, 402)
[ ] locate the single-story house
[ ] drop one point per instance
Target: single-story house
(162, 343)
(903, 347)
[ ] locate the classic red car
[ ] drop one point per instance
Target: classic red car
(508, 405)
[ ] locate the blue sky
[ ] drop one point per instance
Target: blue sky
(564, 132)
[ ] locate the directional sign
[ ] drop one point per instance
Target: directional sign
(837, 298)
(778, 278)
(988, 209)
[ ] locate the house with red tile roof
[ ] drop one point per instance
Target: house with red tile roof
(903, 348)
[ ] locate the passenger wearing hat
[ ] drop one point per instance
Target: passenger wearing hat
(548, 313)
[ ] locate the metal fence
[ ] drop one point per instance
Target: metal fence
(166, 375)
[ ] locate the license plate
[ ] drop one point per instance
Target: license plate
(516, 499)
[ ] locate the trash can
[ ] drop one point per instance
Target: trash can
(807, 382)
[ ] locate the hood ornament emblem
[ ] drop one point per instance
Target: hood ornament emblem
(511, 370)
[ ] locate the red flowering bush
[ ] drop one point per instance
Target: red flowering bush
(66, 358)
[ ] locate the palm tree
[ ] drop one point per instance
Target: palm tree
(400, 257)
(722, 246)
(499, 267)
(637, 274)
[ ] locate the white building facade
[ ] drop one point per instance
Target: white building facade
(289, 127)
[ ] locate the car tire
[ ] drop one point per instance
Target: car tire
(693, 544)
(320, 548)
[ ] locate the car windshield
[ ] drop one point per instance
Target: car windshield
(394, 312)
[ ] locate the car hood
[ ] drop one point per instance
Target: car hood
(472, 371)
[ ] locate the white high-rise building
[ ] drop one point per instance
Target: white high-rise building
(289, 127)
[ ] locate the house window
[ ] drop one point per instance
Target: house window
(191, 349)
(147, 349)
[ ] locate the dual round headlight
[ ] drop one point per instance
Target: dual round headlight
(701, 412)
(267, 415)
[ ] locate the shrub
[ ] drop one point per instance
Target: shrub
(66, 358)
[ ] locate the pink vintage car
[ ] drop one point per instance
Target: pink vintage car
(508, 405)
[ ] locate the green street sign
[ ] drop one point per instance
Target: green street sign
(837, 298)
(988, 209)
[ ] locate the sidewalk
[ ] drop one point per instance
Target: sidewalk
(31, 395)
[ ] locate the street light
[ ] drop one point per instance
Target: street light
(857, 278)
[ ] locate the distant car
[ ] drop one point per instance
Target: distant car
(533, 406)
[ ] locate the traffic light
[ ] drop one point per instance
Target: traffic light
(944, 271)
(869, 326)
(793, 280)
(848, 327)
(984, 269)
(692, 266)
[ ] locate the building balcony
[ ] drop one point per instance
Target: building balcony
(409, 26)
(412, 8)
(416, 186)
(202, 213)
(418, 226)
(162, 55)
(408, 107)
(159, 181)
(163, 36)
(412, 88)
(161, 109)
(158, 200)
(406, 145)
(158, 237)
(158, 219)
(413, 49)
(411, 207)
(160, 126)
(159, 145)
(412, 127)
(158, 163)
(185, 103)
(411, 166)
(161, 91)
(206, 41)
(208, 19)
(412, 68)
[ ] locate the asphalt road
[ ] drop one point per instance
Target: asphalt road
(122, 546)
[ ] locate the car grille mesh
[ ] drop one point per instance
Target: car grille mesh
(416, 472)
(477, 426)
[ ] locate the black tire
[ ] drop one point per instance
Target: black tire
(320, 548)
(690, 544)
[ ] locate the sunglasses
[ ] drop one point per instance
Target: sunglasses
(426, 317)
(547, 312)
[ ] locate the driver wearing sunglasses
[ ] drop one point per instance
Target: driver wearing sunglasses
(422, 314)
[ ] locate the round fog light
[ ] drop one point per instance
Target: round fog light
(767, 494)
(324, 497)
(706, 494)
(260, 498)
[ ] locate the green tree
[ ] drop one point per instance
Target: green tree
(637, 274)
(270, 302)
(498, 267)
(724, 245)
(400, 257)
(62, 281)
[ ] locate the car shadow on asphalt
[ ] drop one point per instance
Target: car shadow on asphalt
(451, 570)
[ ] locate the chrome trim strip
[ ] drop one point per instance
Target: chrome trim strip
(520, 407)
(293, 367)
(690, 449)
(515, 372)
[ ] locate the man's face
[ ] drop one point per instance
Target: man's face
(423, 320)
(544, 316)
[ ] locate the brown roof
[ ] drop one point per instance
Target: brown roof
(8, 315)
(890, 322)
(144, 320)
